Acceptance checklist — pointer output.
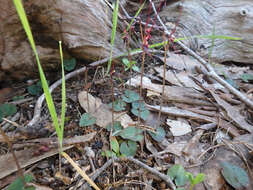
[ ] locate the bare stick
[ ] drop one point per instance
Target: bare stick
(98, 172)
(164, 177)
(212, 72)
(137, 162)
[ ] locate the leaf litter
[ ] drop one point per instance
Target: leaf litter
(198, 129)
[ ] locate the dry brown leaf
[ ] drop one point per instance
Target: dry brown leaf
(39, 187)
(169, 76)
(174, 148)
(101, 111)
(182, 62)
(173, 111)
(233, 113)
(172, 93)
(179, 79)
(25, 158)
(66, 180)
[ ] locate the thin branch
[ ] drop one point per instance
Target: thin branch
(137, 162)
(153, 170)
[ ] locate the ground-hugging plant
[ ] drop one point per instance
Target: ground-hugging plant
(181, 177)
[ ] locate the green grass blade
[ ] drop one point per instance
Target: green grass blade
(136, 14)
(63, 106)
(114, 27)
(210, 37)
(49, 100)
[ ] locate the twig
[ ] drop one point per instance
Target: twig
(98, 172)
(154, 171)
(137, 162)
(212, 72)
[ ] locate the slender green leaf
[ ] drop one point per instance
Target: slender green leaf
(136, 14)
(209, 37)
(49, 100)
(115, 145)
(114, 27)
(63, 96)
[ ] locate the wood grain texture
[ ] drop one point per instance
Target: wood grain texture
(230, 17)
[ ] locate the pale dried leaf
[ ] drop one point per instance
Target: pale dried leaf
(101, 111)
(233, 113)
(39, 187)
(173, 111)
(179, 79)
(182, 62)
(25, 158)
(174, 148)
(172, 93)
(178, 128)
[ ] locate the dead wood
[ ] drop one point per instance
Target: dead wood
(199, 17)
(84, 27)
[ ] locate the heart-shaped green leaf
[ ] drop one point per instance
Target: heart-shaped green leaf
(129, 148)
(7, 110)
(234, 175)
(18, 183)
(1, 116)
(159, 135)
(143, 113)
(138, 105)
(136, 69)
(177, 173)
(247, 77)
(131, 133)
(118, 105)
(116, 129)
(35, 89)
(130, 96)
(87, 120)
(69, 64)
(232, 83)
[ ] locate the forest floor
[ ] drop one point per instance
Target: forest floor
(197, 124)
(170, 126)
